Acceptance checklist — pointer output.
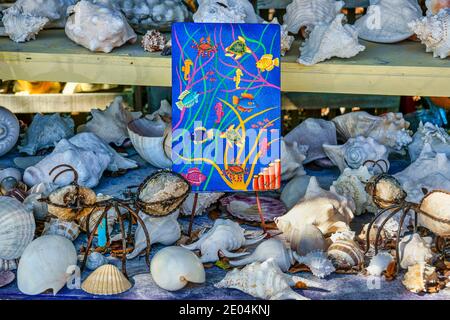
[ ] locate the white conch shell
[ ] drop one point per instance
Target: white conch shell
(67, 229)
(434, 32)
(229, 11)
(294, 190)
(345, 253)
(45, 131)
(17, 228)
(225, 236)
(271, 248)
(326, 210)
(9, 130)
(317, 262)
(106, 280)
(414, 249)
(20, 26)
(110, 124)
(45, 264)
(309, 13)
(386, 21)
(437, 137)
(419, 276)
(351, 184)
(165, 230)
(379, 263)
(434, 6)
(204, 201)
(306, 239)
(329, 40)
(355, 152)
(313, 133)
(98, 27)
(173, 267)
(292, 157)
(390, 129)
(263, 280)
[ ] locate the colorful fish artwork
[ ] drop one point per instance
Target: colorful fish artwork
(226, 114)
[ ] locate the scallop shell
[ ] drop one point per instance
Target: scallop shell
(173, 267)
(386, 21)
(414, 249)
(45, 131)
(434, 6)
(21, 26)
(434, 32)
(329, 40)
(355, 152)
(9, 130)
(379, 263)
(110, 124)
(204, 201)
(68, 229)
(345, 254)
(428, 133)
(418, 277)
(307, 13)
(317, 262)
(61, 198)
(106, 280)
(17, 228)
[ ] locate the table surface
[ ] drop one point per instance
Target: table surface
(388, 69)
(335, 287)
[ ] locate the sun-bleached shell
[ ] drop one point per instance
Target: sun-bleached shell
(306, 239)
(419, 276)
(379, 263)
(205, 200)
(436, 204)
(20, 26)
(317, 262)
(414, 249)
(106, 280)
(9, 130)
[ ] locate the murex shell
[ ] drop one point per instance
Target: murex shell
(45, 131)
(434, 32)
(17, 228)
(307, 13)
(98, 26)
(355, 152)
(173, 267)
(437, 137)
(386, 21)
(9, 130)
(329, 40)
(317, 262)
(390, 129)
(106, 280)
(20, 26)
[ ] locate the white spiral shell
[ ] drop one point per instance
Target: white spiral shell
(9, 130)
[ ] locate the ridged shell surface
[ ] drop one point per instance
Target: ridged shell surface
(9, 130)
(106, 280)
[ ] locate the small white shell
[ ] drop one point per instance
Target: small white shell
(414, 249)
(173, 267)
(9, 130)
(317, 262)
(379, 263)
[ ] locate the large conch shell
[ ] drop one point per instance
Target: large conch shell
(434, 6)
(9, 130)
(110, 124)
(329, 40)
(173, 267)
(419, 276)
(414, 249)
(435, 136)
(308, 13)
(390, 129)
(98, 26)
(326, 210)
(355, 152)
(264, 280)
(292, 157)
(106, 280)
(434, 32)
(20, 26)
(386, 21)
(225, 236)
(294, 190)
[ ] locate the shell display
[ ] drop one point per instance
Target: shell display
(9, 130)
(165, 230)
(428, 133)
(328, 40)
(390, 129)
(294, 190)
(44, 265)
(229, 11)
(153, 41)
(205, 200)
(351, 183)
(6, 277)
(98, 26)
(292, 157)
(313, 133)
(172, 268)
(68, 229)
(418, 277)
(386, 21)
(309, 13)
(317, 262)
(8, 265)
(414, 249)
(17, 228)
(436, 204)
(345, 253)
(434, 6)
(62, 199)
(45, 131)
(263, 280)
(355, 152)
(433, 31)
(379, 263)
(271, 248)
(20, 26)
(110, 124)
(306, 239)
(326, 210)
(106, 280)
(225, 236)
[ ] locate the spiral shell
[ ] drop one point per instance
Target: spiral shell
(16, 228)
(9, 130)
(345, 254)
(106, 280)
(68, 229)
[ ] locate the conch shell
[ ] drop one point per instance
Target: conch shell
(414, 249)
(418, 277)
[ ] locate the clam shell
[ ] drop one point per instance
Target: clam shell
(345, 254)
(60, 199)
(106, 280)
(9, 130)
(17, 228)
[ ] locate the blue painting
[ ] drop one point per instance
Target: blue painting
(226, 106)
